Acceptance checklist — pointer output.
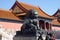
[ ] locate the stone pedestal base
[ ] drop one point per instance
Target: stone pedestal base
(24, 38)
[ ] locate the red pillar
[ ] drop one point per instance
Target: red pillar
(39, 23)
(45, 25)
(49, 26)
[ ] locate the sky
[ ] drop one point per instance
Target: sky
(48, 6)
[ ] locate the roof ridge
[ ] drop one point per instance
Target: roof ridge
(27, 4)
(44, 12)
(58, 10)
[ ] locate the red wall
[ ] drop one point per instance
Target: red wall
(56, 28)
(10, 25)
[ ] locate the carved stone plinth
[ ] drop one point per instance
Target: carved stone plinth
(24, 38)
(21, 36)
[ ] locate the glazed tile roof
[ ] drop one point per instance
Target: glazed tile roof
(26, 7)
(55, 22)
(55, 17)
(40, 12)
(7, 15)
